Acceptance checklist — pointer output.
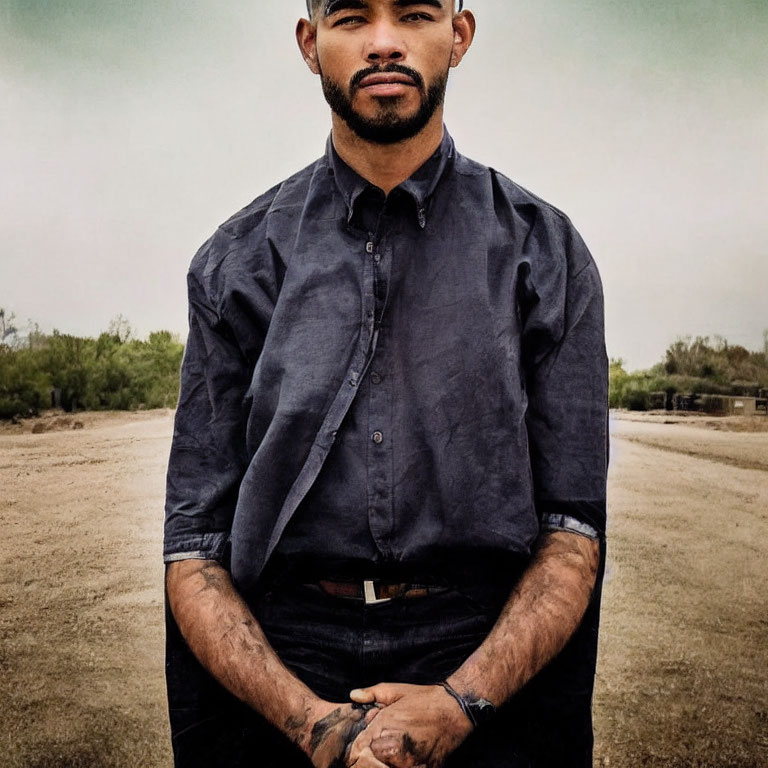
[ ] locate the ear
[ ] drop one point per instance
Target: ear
(306, 37)
(464, 26)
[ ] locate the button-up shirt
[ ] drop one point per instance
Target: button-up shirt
(393, 380)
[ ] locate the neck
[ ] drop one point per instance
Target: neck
(387, 165)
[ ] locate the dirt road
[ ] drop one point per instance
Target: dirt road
(683, 673)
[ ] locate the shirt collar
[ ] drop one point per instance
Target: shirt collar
(419, 186)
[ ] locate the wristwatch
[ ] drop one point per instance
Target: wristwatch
(478, 711)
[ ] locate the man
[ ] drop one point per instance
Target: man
(386, 493)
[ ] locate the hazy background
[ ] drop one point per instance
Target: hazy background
(129, 130)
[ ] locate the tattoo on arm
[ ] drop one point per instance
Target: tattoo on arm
(332, 736)
(543, 611)
(211, 576)
(221, 630)
(295, 723)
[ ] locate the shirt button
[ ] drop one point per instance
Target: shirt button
(377, 257)
(375, 378)
(377, 438)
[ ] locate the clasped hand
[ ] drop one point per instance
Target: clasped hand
(391, 725)
(410, 726)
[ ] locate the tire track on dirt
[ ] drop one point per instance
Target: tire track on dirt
(731, 461)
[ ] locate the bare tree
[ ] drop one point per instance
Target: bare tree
(120, 328)
(7, 328)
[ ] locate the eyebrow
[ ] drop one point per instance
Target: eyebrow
(407, 3)
(334, 6)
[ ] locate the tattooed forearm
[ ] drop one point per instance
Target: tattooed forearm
(224, 635)
(540, 616)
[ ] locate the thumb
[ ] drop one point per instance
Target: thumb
(383, 693)
(363, 695)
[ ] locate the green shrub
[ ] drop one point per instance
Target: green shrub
(695, 367)
(113, 372)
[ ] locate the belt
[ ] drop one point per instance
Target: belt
(374, 592)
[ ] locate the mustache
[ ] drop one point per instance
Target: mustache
(399, 68)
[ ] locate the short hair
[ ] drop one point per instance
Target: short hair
(314, 5)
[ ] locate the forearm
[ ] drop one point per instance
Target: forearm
(224, 635)
(540, 616)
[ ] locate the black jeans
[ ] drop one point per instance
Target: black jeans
(336, 644)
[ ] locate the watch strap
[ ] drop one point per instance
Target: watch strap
(476, 710)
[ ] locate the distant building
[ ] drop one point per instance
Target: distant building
(727, 406)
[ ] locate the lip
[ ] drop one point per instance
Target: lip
(386, 82)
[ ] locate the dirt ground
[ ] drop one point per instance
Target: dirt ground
(683, 671)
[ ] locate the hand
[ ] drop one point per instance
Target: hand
(414, 726)
(327, 730)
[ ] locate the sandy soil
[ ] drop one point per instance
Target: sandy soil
(683, 672)
(81, 600)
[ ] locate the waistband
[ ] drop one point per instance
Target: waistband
(451, 571)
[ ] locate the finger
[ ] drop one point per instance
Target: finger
(371, 714)
(358, 746)
(389, 749)
(387, 745)
(367, 760)
(363, 695)
(383, 693)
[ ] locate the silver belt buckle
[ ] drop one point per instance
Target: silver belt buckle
(369, 592)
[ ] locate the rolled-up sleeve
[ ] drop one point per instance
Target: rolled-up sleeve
(208, 456)
(566, 385)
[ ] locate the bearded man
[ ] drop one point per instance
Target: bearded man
(386, 493)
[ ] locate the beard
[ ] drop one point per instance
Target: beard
(388, 126)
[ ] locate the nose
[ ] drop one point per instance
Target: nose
(384, 45)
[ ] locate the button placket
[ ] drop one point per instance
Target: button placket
(369, 308)
(380, 479)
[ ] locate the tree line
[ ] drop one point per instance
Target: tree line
(112, 372)
(116, 371)
(696, 366)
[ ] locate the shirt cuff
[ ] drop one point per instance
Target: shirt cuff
(199, 546)
(583, 516)
(569, 525)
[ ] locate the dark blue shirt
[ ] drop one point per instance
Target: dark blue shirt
(388, 380)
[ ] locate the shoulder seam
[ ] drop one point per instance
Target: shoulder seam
(544, 203)
(265, 203)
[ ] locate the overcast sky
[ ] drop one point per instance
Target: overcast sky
(129, 130)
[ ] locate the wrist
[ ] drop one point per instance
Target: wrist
(300, 718)
(475, 709)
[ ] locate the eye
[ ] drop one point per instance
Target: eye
(417, 17)
(348, 21)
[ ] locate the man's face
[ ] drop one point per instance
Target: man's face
(384, 63)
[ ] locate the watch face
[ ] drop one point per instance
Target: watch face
(482, 710)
